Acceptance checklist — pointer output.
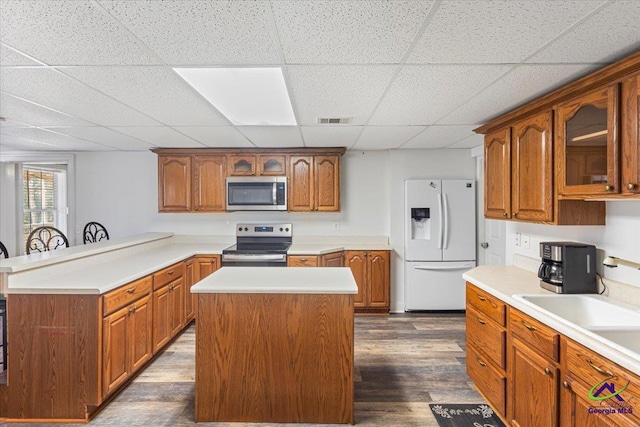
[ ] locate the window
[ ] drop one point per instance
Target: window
(44, 190)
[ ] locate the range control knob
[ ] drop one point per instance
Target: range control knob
(286, 229)
(246, 229)
(280, 228)
(240, 229)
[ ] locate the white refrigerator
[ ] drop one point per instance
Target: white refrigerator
(440, 242)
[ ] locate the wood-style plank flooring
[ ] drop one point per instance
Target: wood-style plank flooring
(402, 363)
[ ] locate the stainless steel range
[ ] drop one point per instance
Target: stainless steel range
(259, 245)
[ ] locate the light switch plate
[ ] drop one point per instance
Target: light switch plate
(524, 239)
(335, 226)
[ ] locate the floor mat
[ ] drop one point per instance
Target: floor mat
(465, 415)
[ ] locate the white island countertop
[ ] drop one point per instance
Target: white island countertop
(290, 280)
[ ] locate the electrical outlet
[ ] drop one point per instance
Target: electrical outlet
(335, 226)
(525, 241)
(517, 239)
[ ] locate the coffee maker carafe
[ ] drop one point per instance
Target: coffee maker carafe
(568, 268)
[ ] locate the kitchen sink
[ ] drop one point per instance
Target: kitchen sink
(615, 323)
(592, 312)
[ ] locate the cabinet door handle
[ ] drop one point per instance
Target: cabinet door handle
(515, 214)
(599, 369)
(482, 322)
(132, 290)
(480, 362)
(132, 309)
(529, 327)
(631, 186)
(170, 272)
(303, 260)
(608, 187)
(505, 214)
(566, 385)
(481, 298)
(547, 371)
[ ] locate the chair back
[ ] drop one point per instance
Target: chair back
(3, 251)
(94, 232)
(44, 239)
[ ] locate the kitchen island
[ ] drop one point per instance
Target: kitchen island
(275, 345)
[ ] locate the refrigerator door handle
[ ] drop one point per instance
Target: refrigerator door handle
(440, 225)
(444, 267)
(445, 220)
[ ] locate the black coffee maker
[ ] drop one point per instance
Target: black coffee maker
(568, 268)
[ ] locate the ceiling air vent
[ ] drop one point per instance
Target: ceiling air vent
(334, 120)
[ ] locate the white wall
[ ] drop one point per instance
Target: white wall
(415, 164)
(119, 190)
(8, 233)
(620, 237)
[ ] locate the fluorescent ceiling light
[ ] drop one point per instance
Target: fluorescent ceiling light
(246, 96)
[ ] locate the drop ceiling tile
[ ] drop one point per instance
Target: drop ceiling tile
(422, 94)
(272, 136)
(175, 104)
(330, 136)
(471, 141)
(12, 124)
(386, 137)
(11, 143)
(216, 136)
(610, 34)
(351, 32)
(495, 31)
(108, 138)
(523, 84)
(69, 33)
(35, 115)
(337, 90)
(201, 32)
(439, 136)
(159, 136)
(51, 137)
(9, 57)
(57, 91)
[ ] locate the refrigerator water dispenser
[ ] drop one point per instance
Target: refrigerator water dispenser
(420, 224)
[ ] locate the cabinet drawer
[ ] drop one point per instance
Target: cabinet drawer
(167, 275)
(591, 369)
(302, 261)
(487, 335)
(488, 380)
(538, 336)
(122, 296)
(488, 305)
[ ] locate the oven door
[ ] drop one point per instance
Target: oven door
(254, 260)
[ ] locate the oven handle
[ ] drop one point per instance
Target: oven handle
(253, 258)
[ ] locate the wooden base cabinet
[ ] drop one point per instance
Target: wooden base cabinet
(372, 272)
(168, 304)
(334, 259)
(127, 343)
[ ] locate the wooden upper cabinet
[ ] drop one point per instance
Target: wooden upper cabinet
(301, 188)
(587, 150)
(532, 169)
(630, 119)
(272, 165)
(327, 183)
(209, 184)
(497, 174)
(314, 183)
(241, 165)
(174, 183)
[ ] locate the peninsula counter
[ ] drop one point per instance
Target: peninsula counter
(275, 345)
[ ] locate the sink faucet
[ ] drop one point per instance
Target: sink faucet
(611, 261)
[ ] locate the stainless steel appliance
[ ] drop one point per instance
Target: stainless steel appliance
(257, 193)
(440, 242)
(259, 245)
(568, 268)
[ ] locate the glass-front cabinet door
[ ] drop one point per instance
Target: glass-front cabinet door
(587, 151)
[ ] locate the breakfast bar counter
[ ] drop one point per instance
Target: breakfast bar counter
(275, 345)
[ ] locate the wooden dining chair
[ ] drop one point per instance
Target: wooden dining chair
(43, 239)
(94, 232)
(3, 251)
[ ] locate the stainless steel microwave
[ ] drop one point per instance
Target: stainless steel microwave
(257, 193)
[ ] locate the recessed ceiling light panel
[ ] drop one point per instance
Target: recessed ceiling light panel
(246, 96)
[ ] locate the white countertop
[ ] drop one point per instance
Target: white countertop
(321, 249)
(270, 280)
(108, 275)
(505, 281)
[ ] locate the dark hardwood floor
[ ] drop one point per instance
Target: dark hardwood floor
(402, 363)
